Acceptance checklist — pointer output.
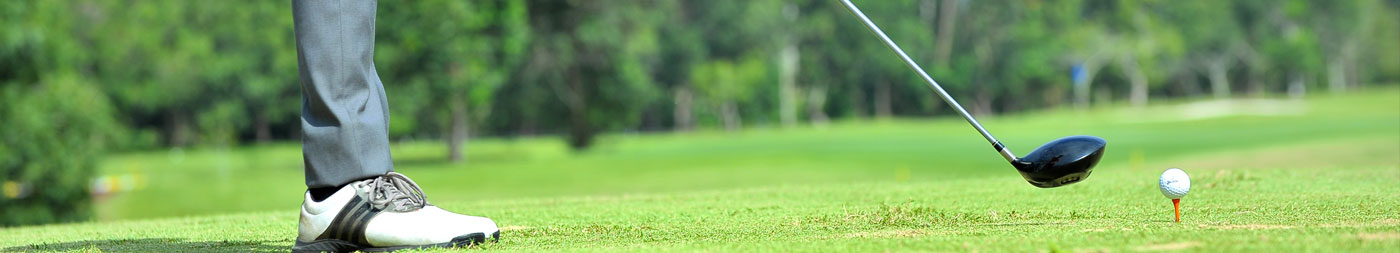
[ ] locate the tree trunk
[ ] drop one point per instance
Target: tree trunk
(1296, 87)
(179, 125)
(787, 83)
(1137, 94)
(574, 96)
(261, 131)
(457, 133)
(1353, 76)
(1336, 75)
(816, 102)
(729, 113)
(947, 16)
(580, 132)
(858, 102)
(1219, 82)
(882, 100)
(685, 101)
(982, 104)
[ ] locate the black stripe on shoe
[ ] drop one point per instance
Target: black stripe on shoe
(360, 223)
(349, 225)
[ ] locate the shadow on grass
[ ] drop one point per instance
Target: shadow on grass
(157, 245)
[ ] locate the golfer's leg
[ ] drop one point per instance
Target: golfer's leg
(344, 114)
(345, 138)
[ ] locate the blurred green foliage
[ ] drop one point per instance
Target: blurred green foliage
(53, 122)
(80, 76)
(54, 134)
(192, 73)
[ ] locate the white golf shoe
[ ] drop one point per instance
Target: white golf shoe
(385, 213)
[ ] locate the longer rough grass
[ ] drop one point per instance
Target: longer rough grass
(1320, 178)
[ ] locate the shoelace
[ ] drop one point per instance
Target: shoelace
(394, 191)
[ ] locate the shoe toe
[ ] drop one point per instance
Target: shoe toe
(429, 225)
(466, 224)
(481, 224)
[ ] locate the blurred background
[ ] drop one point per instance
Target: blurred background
(133, 109)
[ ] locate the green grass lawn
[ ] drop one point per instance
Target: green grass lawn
(1322, 174)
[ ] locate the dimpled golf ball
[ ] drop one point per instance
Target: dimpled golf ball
(1174, 183)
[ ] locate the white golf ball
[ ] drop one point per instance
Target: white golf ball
(1174, 183)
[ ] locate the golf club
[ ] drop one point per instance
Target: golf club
(1063, 161)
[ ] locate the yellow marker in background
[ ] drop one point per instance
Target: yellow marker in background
(901, 173)
(11, 190)
(1136, 159)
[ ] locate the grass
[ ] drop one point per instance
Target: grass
(1321, 176)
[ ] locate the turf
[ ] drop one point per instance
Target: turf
(1322, 174)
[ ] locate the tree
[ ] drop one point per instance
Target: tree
(264, 66)
(1339, 26)
(590, 56)
(789, 60)
(57, 122)
(172, 65)
(727, 83)
(1153, 49)
(682, 47)
(1215, 40)
(460, 57)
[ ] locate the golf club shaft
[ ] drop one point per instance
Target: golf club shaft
(936, 88)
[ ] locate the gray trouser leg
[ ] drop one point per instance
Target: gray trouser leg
(344, 114)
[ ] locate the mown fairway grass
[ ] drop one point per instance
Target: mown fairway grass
(1321, 174)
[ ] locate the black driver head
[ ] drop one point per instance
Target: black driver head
(1063, 161)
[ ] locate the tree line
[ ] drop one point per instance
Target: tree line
(78, 76)
(179, 73)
